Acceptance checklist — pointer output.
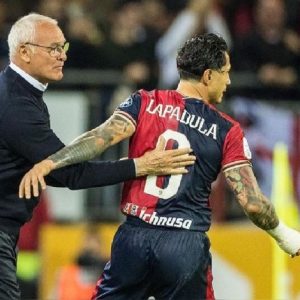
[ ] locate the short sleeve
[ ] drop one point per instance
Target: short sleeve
(131, 107)
(235, 150)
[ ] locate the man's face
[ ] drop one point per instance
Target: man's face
(219, 81)
(270, 15)
(46, 64)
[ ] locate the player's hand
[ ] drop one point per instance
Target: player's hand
(289, 241)
(34, 179)
(164, 162)
(289, 247)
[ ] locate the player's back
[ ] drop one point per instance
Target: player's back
(179, 200)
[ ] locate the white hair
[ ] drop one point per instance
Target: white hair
(23, 31)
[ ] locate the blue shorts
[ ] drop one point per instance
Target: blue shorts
(164, 263)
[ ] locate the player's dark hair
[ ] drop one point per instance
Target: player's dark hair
(202, 52)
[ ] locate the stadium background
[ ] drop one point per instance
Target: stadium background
(98, 76)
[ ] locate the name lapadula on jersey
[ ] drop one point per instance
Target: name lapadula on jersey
(193, 121)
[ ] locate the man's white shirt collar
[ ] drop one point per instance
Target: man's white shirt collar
(28, 78)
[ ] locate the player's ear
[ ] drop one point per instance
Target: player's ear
(206, 76)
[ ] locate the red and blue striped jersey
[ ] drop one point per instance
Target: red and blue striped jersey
(218, 142)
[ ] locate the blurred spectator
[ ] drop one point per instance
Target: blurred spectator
(186, 23)
(270, 49)
(293, 14)
(158, 15)
(216, 23)
(55, 9)
(77, 281)
(85, 38)
(83, 28)
(129, 47)
(238, 16)
(3, 34)
(198, 16)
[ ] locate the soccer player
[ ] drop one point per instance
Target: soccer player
(162, 249)
(37, 49)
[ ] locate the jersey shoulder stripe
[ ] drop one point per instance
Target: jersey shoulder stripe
(127, 116)
(236, 164)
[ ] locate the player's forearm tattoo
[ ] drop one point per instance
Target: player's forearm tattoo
(258, 208)
(93, 143)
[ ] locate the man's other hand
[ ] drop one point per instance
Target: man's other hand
(164, 162)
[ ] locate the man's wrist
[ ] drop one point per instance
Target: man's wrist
(287, 238)
(139, 167)
(278, 232)
(49, 164)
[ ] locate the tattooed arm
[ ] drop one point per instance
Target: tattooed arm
(259, 209)
(94, 142)
(83, 148)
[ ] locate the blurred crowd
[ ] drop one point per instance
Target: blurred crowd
(140, 37)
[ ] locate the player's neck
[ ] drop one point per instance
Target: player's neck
(191, 89)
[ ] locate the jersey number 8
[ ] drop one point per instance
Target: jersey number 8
(171, 189)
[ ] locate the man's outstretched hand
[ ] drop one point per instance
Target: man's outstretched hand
(34, 179)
